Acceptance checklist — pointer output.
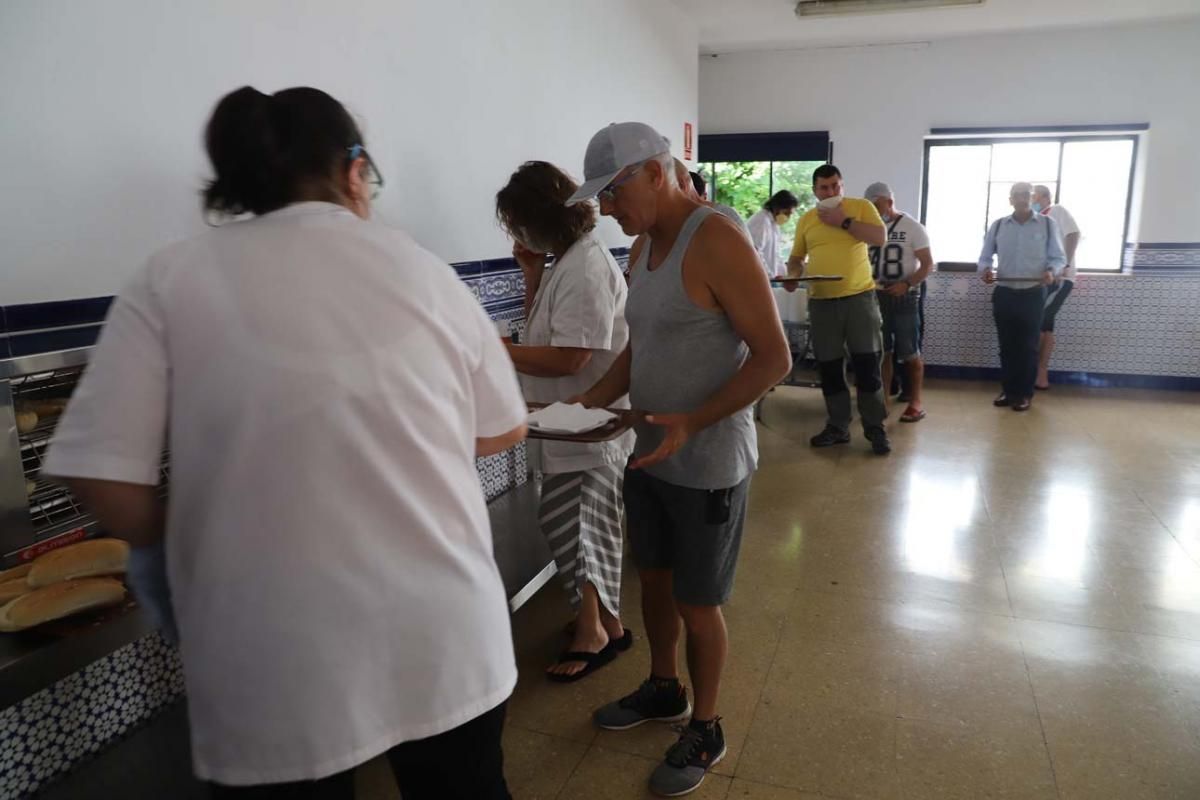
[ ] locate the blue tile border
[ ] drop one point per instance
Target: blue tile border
(1163, 258)
(1095, 380)
(56, 314)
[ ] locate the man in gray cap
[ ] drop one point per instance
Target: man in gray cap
(900, 267)
(705, 342)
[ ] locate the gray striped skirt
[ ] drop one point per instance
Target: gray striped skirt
(580, 517)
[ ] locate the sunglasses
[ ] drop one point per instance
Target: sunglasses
(373, 176)
(609, 192)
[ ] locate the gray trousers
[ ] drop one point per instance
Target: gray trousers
(849, 324)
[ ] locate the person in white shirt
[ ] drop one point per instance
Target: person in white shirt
(574, 330)
(764, 231)
(900, 267)
(1057, 294)
(325, 385)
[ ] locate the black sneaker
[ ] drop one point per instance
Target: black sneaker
(829, 437)
(1001, 400)
(698, 750)
(653, 701)
(878, 438)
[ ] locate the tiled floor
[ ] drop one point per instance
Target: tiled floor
(1006, 607)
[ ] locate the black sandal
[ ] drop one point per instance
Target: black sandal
(622, 644)
(591, 661)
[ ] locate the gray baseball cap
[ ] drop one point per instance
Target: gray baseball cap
(877, 189)
(612, 149)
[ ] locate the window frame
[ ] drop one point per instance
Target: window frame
(998, 136)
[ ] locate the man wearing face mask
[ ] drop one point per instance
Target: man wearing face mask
(764, 230)
(832, 239)
(1056, 295)
(901, 267)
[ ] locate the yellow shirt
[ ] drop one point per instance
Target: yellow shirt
(833, 251)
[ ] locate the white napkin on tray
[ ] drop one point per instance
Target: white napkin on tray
(568, 419)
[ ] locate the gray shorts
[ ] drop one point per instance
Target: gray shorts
(845, 323)
(696, 533)
(901, 325)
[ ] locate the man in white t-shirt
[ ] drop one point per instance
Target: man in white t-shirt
(1043, 203)
(900, 267)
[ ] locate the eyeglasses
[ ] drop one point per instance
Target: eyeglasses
(609, 192)
(373, 176)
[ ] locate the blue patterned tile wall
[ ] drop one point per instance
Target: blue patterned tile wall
(500, 288)
(61, 726)
(1143, 323)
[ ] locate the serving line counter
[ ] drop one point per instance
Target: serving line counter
(102, 693)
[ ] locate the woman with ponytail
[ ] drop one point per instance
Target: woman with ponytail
(325, 385)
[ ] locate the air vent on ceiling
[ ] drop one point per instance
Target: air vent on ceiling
(828, 8)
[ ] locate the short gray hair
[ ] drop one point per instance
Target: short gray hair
(1040, 189)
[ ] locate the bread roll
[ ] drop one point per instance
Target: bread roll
(11, 590)
(26, 421)
(82, 560)
(49, 407)
(58, 601)
(15, 572)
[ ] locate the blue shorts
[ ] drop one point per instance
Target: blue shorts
(901, 324)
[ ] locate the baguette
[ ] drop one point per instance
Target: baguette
(11, 590)
(58, 601)
(82, 560)
(15, 572)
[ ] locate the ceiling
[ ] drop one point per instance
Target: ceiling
(740, 25)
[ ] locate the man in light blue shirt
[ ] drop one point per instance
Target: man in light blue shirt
(1031, 257)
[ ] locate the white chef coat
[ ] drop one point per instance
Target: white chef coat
(765, 235)
(323, 380)
(579, 303)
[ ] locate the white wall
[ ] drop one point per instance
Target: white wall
(103, 107)
(879, 103)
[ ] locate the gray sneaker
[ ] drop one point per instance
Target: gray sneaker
(650, 702)
(689, 760)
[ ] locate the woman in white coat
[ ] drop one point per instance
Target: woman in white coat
(764, 231)
(575, 329)
(327, 385)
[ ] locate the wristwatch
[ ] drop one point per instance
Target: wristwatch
(846, 223)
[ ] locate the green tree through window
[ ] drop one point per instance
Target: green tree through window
(746, 185)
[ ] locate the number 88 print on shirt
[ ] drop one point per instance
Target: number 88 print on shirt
(897, 260)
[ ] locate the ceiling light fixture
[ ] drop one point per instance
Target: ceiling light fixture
(829, 8)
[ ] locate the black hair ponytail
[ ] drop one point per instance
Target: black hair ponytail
(268, 150)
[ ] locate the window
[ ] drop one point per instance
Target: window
(746, 185)
(967, 182)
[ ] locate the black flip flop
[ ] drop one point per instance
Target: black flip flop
(593, 662)
(622, 644)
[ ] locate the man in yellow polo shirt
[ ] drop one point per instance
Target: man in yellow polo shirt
(832, 239)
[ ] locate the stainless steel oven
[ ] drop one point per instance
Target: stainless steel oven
(37, 515)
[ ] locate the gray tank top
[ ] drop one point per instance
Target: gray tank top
(682, 354)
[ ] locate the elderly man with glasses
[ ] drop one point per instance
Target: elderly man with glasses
(1031, 256)
(705, 342)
